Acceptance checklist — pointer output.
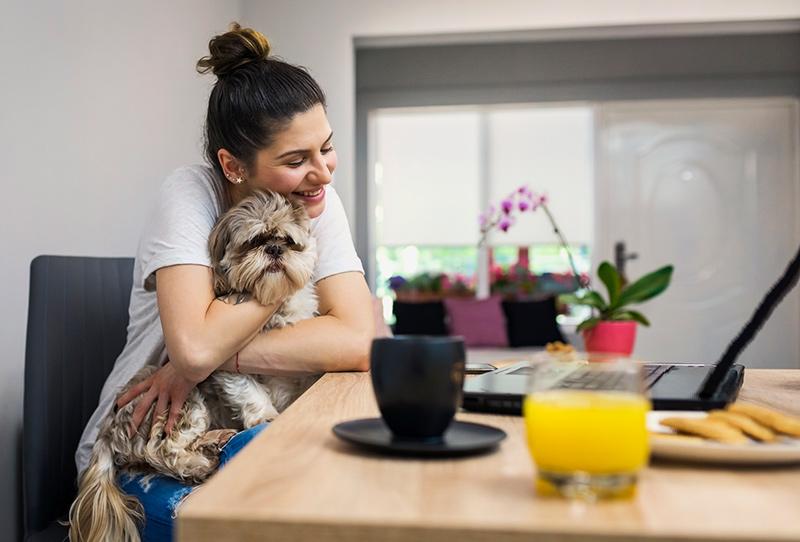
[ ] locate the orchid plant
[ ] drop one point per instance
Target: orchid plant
(504, 216)
(620, 296)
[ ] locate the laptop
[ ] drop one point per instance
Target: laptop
(670, 386)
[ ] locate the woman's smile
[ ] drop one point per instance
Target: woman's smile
(298, 164)
(310, 196)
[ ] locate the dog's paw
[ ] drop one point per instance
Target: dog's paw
(233, 297)
(258, 414)
(213, 441)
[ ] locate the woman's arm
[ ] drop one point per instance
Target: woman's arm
(337, 340)
(200, 331)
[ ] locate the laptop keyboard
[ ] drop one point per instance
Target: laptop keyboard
(584, 379)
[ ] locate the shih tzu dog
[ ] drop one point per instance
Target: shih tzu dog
(263, 248)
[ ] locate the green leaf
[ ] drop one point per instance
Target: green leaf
(569, 299)
(590, 298)
(589, 323)
(595, 300)
(608, 274)
(636, 316)
(645, 288)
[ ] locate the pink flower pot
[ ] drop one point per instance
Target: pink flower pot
(611, 338)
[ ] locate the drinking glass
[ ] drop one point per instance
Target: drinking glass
(586, 426)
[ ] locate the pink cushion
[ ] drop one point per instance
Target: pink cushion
(480, 321)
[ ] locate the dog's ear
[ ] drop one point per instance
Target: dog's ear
(300, 215)
(221, 284)
(218, 241)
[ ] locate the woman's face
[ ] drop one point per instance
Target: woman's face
(300, 161)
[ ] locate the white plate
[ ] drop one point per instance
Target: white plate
(785, 451)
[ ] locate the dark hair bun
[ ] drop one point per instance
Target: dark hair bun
(234, 49)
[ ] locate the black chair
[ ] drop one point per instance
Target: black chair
(419, 318)
(532, 323)
(77, 326)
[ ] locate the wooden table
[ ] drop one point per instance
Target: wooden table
(296, 481)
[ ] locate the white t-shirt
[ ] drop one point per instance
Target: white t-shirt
(177, 233)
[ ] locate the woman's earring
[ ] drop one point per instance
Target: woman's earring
(237, 180)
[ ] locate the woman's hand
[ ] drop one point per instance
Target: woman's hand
(167, 387)
(200, 332)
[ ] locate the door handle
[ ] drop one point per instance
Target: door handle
(621, 257)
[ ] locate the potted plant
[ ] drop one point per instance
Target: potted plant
(420, 288)
(517, 282)
(612, 326)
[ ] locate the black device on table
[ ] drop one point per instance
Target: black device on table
(670, 386)
(478, 368)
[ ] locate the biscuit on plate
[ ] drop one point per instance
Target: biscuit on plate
(746, 425)
(710, 429)
(777, 421)
(677, 437)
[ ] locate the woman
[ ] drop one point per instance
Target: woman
(266, 128)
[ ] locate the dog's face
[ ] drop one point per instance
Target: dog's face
(263, 246)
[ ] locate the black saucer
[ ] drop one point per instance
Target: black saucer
(461, 438)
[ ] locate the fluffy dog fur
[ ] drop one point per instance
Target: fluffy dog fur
(262, 246)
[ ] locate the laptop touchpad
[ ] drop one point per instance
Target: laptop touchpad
(680, 382)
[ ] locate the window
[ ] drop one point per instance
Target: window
(435, 169)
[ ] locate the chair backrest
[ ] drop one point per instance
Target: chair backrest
(77, 326)
(532, 323)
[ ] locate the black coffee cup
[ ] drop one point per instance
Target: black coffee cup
(418, 382)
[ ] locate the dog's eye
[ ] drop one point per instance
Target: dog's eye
(292, 245)
(257, 241)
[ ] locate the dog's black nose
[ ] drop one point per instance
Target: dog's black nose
(274, 250)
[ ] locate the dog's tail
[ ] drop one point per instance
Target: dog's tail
(102, 512)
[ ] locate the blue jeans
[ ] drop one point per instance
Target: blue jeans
(161, 495)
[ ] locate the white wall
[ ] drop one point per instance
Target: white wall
(319, 35)
(98, 102)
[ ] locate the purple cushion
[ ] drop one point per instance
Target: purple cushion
(480, 321)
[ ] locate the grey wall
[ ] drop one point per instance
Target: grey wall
(597, 69)
(99, 101)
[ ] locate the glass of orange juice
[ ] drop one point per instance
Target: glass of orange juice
(586, 427)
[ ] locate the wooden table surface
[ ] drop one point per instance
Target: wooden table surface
(297, 481)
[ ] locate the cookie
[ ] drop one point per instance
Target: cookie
(746, 425)
(777, 421)
(710, 429)
(560, 351)
(676, 437)
(558, 346)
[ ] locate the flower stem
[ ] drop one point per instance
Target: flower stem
(564, 244)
